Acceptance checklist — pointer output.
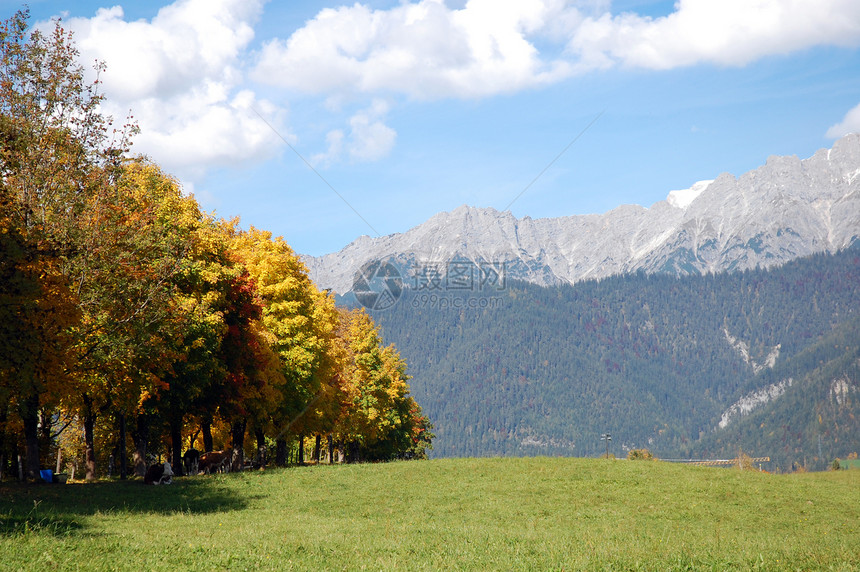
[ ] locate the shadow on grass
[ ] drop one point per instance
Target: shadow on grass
(58, 509)
(33, 523)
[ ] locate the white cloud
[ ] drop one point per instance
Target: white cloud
(180, 75)
(849, 124)
(424, 49)
(202, 128)
(334, 139)
(727, 32)
(428, 50)
(369, 139)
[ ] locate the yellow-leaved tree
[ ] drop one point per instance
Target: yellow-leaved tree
(300, 322)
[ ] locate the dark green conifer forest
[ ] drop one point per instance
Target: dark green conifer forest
(654, 360)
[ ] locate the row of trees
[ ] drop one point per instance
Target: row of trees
(123, 305)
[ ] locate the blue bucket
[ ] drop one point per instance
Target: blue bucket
(47, 475)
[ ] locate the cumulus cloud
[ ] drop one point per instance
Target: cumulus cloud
(424, 49)
(185, 72)
(728, 32)
(180, 75)
(428, 50)
(204, 127)
(369, 139)
(334, 138)
(849, 124)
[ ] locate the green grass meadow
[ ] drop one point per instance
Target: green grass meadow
(474, 514)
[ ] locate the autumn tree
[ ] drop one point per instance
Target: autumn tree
(113, 229)
(380, 420)
(142, 238)
(300, 322)
(121, 299)
(35, 314)
(192, 381)
(252, 371)
(56, 154)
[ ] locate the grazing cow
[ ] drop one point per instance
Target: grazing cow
(159, 474)
(191, 461)
(215, 462)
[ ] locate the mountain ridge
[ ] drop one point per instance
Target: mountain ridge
(785, 209)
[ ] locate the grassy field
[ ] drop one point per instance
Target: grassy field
(477, 514)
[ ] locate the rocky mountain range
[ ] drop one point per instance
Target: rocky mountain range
(783, 210)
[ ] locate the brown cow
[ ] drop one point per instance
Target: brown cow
(215, 462)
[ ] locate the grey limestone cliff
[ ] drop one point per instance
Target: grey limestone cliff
(785, 209)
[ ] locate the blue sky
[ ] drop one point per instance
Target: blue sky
(413, 107)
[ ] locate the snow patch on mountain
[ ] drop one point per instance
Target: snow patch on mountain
(685, 197)
(771, 358)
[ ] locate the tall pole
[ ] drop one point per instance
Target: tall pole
(606, 437)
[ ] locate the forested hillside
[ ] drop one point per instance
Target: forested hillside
(817, 418)
(654, 360)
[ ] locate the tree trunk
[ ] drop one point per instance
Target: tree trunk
(317, 444)
(123, 464)
(301, 451)
(111, 461)
(261, 447)
(141, 438)
(192, 440)
(4, 452)
(30, 416)
(176, 446)
(206, 427)
(237, 431)
(330, 450)
(46, 429)
(281, 452)
(353, 452)
(89, 438)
